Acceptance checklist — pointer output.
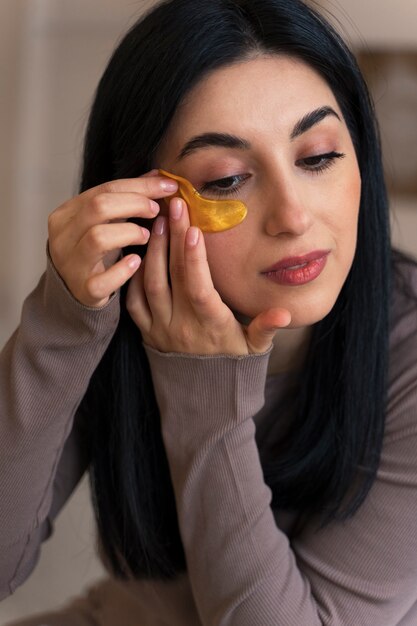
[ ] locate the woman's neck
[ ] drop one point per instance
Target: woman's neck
(290, 349)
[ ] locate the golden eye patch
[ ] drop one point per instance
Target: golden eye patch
(212, 216)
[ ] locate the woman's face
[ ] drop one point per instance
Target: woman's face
(269, 131)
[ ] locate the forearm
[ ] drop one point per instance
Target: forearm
(241, 567)
(44, 372)
(243, 571)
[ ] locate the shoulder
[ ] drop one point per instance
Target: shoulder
(402, 374)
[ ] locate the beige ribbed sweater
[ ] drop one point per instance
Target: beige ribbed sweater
(243, 570)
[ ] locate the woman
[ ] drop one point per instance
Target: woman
(248, 414)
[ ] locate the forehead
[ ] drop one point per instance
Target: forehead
(273, 89)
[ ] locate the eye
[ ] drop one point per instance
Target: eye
(224, 186)
(320, 162)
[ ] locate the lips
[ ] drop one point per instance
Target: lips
(297, 262)
(298, 270)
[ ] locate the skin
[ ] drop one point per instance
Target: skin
(86, 235)
(293, 210)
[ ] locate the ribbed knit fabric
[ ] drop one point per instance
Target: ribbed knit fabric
(45, 368)
(243, 569)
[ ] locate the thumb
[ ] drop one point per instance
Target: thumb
(261, 331)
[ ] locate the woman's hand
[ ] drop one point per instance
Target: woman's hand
(186, 314)
(86, 234)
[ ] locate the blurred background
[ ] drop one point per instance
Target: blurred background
(52, 53)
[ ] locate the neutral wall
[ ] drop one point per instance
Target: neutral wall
(10, 19)
(385, 23)
(51, 55)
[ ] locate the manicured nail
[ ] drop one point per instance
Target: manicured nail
(168, 185)
(146, 233)
(192, 236)
(134, 262)
(176, 209)
(159, 226)
(154, 206)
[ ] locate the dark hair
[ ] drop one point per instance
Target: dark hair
(327, 462)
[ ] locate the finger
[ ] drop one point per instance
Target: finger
(105, 238)
(179, 223)
(199, 287)
(136, 302)
(151, 186)
(103, 209)
(99, 205)
(100, 287)
(262, 329)
(157, 289)
(114, 207)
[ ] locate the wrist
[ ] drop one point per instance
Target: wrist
(188, 388)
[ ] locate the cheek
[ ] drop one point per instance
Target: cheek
(351, 190)
(350, 206)
(342, 217)
(217, 247)
(225, 253)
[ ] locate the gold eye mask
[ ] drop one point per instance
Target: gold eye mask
(212, 216)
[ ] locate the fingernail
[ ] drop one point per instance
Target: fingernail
(176, 209)
(159, 226)
(168, 185)
(154, 207)
(134, 262)
(146, 233)
(192, 236)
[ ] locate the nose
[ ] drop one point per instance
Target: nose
(286, 210)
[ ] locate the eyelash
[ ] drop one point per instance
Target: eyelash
(329, 160)
(224, 192)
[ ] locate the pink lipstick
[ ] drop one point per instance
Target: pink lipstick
(298, 270)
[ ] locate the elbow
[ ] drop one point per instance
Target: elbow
(18, 560)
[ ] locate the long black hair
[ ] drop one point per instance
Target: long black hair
(327, 462)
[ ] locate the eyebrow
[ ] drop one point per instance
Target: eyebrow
(311, 119)
(206, 140)
(225, 140)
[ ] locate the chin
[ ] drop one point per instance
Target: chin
(306, 308)
(311, 312)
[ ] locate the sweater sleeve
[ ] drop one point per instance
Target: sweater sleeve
(243, 569)
(45, 369)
